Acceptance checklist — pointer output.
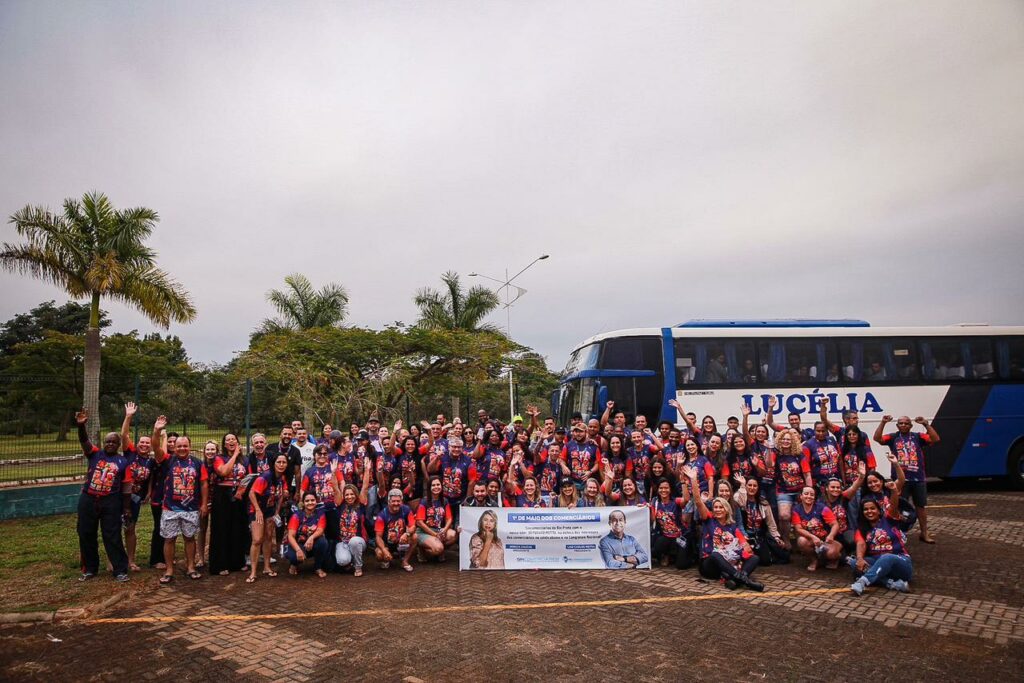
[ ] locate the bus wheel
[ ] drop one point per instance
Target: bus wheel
(1015, 467)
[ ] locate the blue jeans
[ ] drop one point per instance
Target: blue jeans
(888, 566)
(318, 553)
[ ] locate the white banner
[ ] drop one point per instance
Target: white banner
(555, 538)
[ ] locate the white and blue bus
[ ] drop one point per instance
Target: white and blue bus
(967, 379)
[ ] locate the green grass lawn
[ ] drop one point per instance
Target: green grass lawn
(39, 565)
(47, 446)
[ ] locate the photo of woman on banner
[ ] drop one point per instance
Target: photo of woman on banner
(619, 550)
(485, 548)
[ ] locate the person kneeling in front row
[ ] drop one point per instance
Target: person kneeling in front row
(882, 557)
(306, 536)
(395, 531)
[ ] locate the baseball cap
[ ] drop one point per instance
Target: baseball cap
(579, 427)
(560, 430)
(363, 435)
(517, 418)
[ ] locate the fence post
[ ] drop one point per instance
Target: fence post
(248, 412)
(138, 400)
(408, 414)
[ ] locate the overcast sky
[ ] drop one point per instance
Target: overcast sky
(677, 160)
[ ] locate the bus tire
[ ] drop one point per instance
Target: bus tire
(1015, 466)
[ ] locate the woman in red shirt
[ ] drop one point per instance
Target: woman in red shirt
(306, 536)
(434, 522)
(267, 495)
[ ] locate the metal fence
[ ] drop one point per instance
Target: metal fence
(39, 439)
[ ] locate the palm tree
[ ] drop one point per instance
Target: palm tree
(453, 309)
(303, 308)
(96, 251)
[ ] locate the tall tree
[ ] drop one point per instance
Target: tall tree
(301, 307)
(455, 309)
(93, 250)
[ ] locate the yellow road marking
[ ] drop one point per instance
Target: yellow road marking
(467, 608)
(952, 505)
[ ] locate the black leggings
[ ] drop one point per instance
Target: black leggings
(682, 557)
(769, 552)
(156, 543)
(714, 566)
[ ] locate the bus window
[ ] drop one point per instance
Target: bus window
(879, 360)
(715, 362)
(955, 360)
(632, 353)
(582, 359)
(799, 361)
(1010, 352)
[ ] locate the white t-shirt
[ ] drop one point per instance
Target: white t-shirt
(307, 456)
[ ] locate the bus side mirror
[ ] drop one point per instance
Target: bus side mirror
(602, 398)
(554, 402)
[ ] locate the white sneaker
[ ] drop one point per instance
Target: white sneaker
(898, 585)
(858, 586)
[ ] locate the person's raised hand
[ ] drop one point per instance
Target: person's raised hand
(130, 409)
(82, 416)
(886, 419)
(745, 409)
(160, 424)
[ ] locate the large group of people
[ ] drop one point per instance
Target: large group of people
(726, 501)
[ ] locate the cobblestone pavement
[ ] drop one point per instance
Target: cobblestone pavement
(964, 620)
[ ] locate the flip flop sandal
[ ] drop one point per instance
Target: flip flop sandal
(407, 567)
(194, 575)
(166, 579)
(250, 579)
(358, 572)
(271, 574)
(135, 567)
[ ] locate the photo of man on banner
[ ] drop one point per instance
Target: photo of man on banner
(619, 550)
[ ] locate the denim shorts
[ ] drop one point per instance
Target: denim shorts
(788, 498)
(917, 491)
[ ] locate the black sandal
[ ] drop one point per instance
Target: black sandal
(194, 575)
(166, 579)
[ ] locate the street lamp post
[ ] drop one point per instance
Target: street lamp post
(507, 285)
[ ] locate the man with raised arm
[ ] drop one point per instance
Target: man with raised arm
(105, 501)
(908, 447)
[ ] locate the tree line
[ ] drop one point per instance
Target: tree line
(304, 361)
